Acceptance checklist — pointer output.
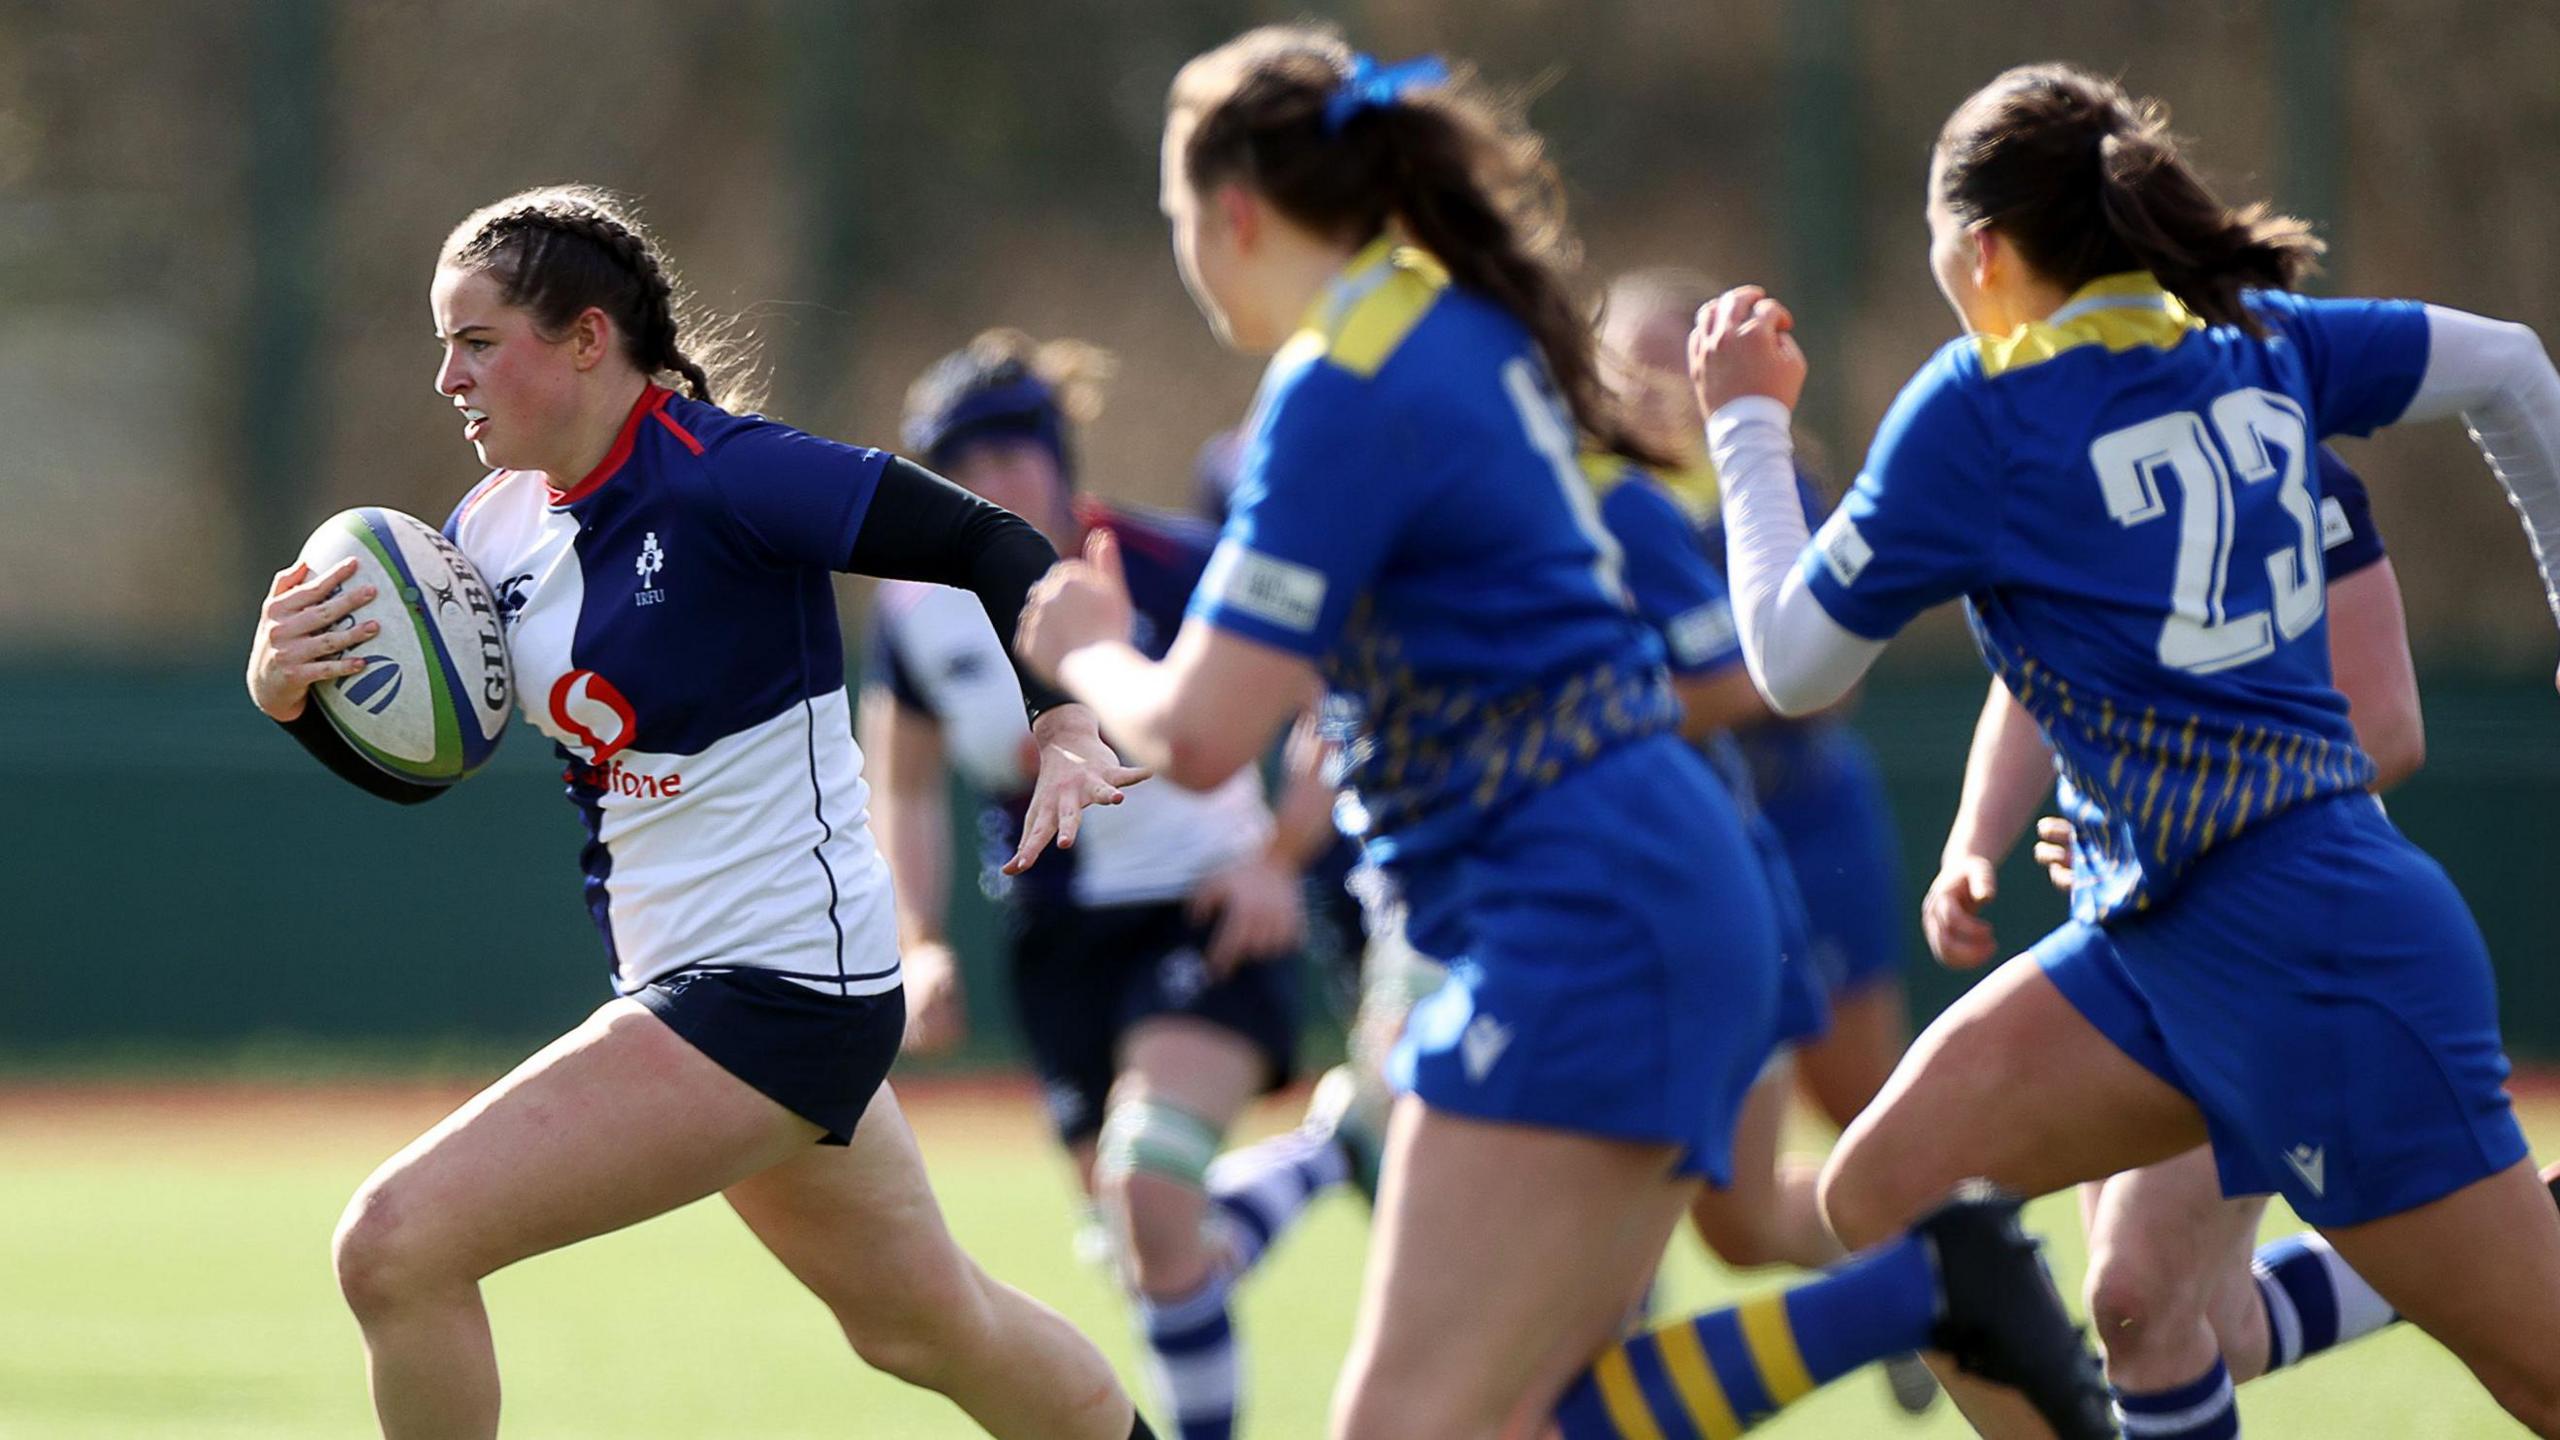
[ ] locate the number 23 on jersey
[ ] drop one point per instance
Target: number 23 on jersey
(2266, 438)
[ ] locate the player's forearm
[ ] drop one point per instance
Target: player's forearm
(1211, 707)
(2008, 773)
(2499, 379)
(2369, 661)
(1801, 659)
(312, 731)
(1132, 697)
(925, 528)
(1725, 699)
(1302, 822)
(903, 755)
(915, 841)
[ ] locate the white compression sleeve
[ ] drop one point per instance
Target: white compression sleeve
(2496, 376)
(1801, 658)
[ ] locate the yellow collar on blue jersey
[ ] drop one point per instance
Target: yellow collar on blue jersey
(1692, 487)
(2117, 311)
(1695, 486)
(1365, 312)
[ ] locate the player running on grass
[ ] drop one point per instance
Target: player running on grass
(2115, 468)
(2172, 1277)
(665, 568)
(1413, 527)
(1153, 966)
(1815, 778)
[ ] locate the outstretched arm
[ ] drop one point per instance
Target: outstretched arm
(2007, 774)
(1211, 707)
(1748, 372)
(2498, 378)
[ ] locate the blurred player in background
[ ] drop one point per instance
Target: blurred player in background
(1674, 561)
(1413, 526)
(665, 568)
(2115, 467)
(1154, 965)
(1815, 778)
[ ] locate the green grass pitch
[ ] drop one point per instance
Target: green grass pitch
(164, 1273)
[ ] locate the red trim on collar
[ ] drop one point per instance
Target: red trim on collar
(650, 400)
(677, 430)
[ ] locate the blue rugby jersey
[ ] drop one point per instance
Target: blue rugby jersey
(2129, 502)
(671, 619)
(1412, 515)
(1678, 592)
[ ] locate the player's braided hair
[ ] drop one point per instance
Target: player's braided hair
(561, 249)
(1455, 166)
(2087, 181)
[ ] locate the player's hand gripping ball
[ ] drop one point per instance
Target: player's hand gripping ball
(426, 696)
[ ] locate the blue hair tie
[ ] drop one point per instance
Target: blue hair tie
(1371, 86)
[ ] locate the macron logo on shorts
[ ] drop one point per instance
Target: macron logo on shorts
(1844, 551)
(1288, 595)
(2311, 1162)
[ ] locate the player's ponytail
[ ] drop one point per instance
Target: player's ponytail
(2087, 181)
(1345, 150)
(560, 249)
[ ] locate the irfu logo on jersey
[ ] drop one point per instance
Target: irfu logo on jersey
(652, 560)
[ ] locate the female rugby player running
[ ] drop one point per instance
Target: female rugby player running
(1152, 966)
(1815, 778)
(664, 567)
(2115, 468)
(2172, 1274)
(1413, 519)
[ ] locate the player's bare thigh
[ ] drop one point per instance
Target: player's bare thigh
(2010, 1084)
(619, 1120)
(1503, 1260)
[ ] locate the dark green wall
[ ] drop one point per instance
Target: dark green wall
(181, 885)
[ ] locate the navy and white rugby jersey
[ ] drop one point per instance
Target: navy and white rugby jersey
(932, 649)
(672, 622)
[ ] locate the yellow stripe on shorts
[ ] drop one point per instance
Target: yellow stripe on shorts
(1773, 1348)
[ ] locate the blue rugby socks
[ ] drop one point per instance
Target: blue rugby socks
(1721, 1373)
(1259, 1191)
(2201, 1409)
(2314, 1302)
(1191, 1348)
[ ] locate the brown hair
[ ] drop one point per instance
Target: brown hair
(2087, 181)
(1455, 166)
(558, 250)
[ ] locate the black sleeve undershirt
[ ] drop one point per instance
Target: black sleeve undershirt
(313, 732)
(922, 527)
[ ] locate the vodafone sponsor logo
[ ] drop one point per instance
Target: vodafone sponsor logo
(618, 778)
(588, 712)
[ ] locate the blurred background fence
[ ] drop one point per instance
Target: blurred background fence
(216, 224)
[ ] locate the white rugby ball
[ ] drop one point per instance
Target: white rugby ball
(431, 703)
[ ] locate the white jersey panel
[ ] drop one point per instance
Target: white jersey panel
(792, 884)
(1157, 844)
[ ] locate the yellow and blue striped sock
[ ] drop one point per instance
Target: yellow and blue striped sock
(1715, 1376)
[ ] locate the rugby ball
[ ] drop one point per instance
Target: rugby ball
(431, 702)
